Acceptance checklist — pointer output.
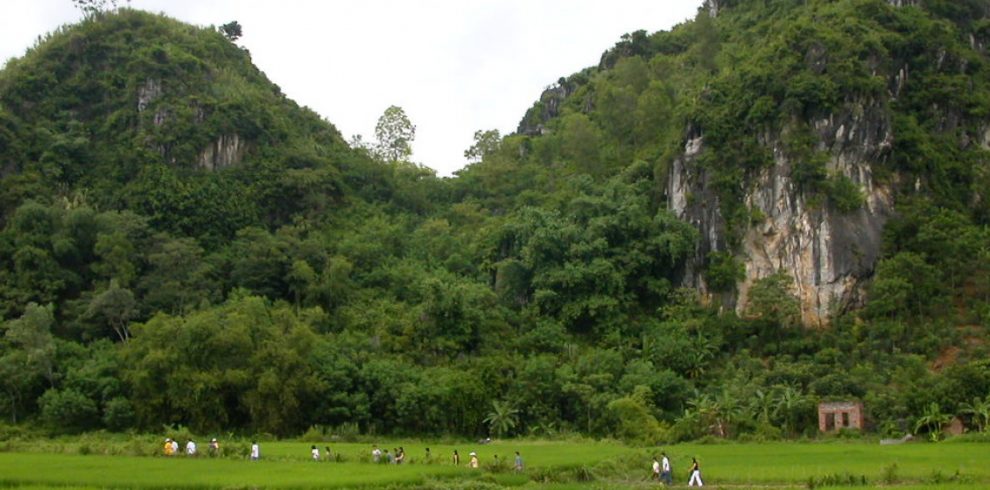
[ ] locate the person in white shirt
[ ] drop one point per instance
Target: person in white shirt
(255, 451)
(175, 447)
(376, 455)
(665, 473)
(656, 469)
(316, 453)
(190, 448)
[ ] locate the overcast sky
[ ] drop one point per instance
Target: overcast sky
(455, 66)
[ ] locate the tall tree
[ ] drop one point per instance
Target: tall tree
(231, 30)
(395, 134)
(117, 307)
(28, 355)
(93, 7)
(485, 142)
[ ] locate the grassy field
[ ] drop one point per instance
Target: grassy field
(789, 462)
(552, 465)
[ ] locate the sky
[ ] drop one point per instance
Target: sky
(454, 66)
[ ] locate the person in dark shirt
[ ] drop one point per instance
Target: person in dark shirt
(695, 474)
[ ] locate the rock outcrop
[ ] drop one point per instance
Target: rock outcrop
(712, 7)
(227, 150)
(546, 109)
(148, 93)
(827, 252)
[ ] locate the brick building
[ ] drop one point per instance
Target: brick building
(833, 416)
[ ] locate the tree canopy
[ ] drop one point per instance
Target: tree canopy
(182, 244)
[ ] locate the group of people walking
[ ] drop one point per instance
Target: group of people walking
(171, 447)
(398, 456)
(315, 453)
(662, 471)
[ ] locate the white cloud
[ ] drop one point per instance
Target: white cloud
(454, 66)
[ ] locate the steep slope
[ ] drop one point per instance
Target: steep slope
(131, 109)
(182, 245)
(790, 133)
(864, 78)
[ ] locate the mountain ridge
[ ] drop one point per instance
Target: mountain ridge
(843, 97)
(181, 244)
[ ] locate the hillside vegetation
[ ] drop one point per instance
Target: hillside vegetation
(184, 245)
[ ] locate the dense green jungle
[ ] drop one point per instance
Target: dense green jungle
(183, 245)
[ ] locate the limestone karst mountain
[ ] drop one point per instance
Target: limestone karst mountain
(809, 123)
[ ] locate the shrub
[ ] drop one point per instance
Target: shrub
(68, 410)
(843, 193)
(315, 433)
(118, 414)
(837, 479)
(889, 474)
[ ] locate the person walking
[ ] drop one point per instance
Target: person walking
(655, 475)
(456, 458)
(175, 447)
(695, 474)
(376, 454)
(518, 466)
(190, 448)
(168, 447)
(473, 463)
(255, 451)
(665, 472)
(315, 452)
(214, 447)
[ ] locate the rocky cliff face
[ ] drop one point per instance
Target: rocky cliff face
(227, 150)
(827, 252)
(547, 108)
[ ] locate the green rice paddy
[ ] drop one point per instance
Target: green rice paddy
(551, 465)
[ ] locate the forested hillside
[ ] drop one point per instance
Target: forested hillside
(715, 228)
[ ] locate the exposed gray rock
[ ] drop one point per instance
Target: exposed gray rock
(548, 108)
(828, 253)
(147, 93)
(713, 7)
(900, 80)
(227, 150)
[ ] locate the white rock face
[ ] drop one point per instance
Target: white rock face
(227, 150)
(713, 7)
(148, 93)
(827, 252)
